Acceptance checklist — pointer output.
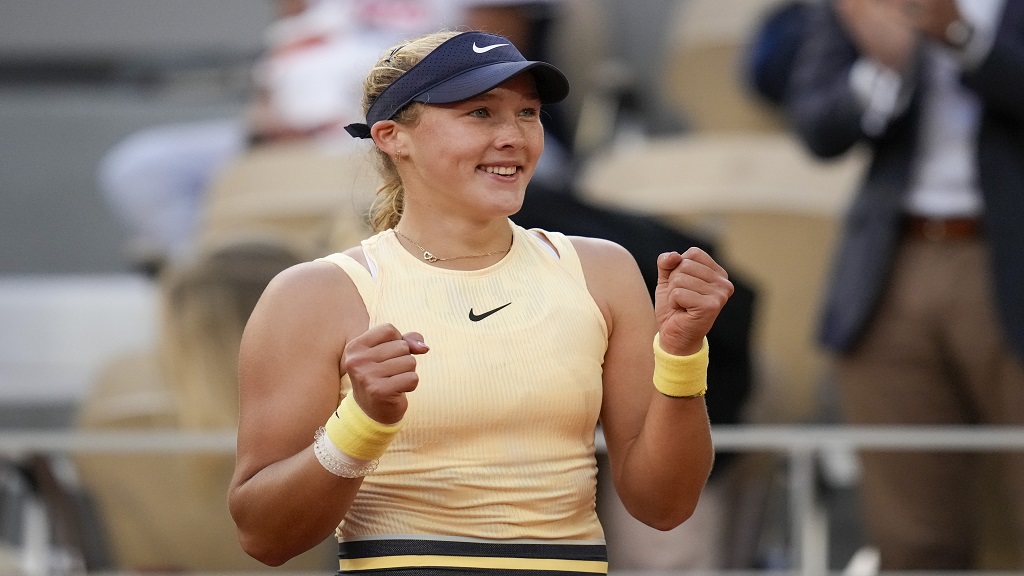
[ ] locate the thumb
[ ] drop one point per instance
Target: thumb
(416, 343)
(667, 262)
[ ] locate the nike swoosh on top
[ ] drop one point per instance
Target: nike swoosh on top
(481, 50)
(478, 317)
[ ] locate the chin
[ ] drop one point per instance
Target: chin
(513, 205)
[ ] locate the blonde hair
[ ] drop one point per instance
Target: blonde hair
(387, 207)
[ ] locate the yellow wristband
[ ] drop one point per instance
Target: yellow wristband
(358, 435)
(680, 376)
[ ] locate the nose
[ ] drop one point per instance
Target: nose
(511, 134)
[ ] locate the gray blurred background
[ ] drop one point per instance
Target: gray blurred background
(76, 77)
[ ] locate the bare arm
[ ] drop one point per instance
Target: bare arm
(308, 328)
(659, 447)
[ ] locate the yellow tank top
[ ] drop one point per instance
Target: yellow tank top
(498, 441)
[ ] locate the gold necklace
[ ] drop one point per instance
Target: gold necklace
(428, 257)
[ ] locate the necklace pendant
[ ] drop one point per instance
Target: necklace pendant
(427, 256)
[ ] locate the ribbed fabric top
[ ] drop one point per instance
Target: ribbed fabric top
(498, 441)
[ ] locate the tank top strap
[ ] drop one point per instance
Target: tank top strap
(567, 256)
(360, 276)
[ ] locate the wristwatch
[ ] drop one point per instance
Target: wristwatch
(959, 33)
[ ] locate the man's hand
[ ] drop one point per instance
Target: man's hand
(882, 29)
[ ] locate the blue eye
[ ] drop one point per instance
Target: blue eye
(480, 113)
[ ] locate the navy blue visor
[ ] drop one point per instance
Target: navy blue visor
(463, 66)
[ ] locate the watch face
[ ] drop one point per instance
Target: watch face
(958, 33)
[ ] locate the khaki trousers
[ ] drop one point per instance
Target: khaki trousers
(933, 355)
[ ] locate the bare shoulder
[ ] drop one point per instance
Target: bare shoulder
(317, 275)
(311, 294)
(612, 275)
(601, 257)
(308, 280)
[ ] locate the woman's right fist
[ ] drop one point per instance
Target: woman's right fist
(381, 364)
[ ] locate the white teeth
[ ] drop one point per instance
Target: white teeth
(500, 170)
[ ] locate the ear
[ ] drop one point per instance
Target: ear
(387, 135)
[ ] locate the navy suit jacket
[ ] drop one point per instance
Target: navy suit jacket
(826, 115)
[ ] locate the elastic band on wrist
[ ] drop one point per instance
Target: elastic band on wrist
(358, 435)
(681, 376)
(337, 462)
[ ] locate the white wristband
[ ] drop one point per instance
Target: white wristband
(337, 462)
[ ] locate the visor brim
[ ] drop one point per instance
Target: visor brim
(552, 85)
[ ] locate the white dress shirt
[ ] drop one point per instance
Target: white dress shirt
(944, 181)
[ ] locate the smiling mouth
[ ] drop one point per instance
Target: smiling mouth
(500, 170)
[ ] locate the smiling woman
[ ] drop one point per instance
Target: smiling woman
(393, 94)
(484, 149)
(476, 451)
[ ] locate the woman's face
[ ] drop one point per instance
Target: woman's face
(476, 156)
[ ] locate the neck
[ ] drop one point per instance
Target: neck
(420, 245)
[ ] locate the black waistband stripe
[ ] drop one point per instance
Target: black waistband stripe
(462, 572)
(442, 557)
(376, 548)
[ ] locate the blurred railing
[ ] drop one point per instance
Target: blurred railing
(802, 446)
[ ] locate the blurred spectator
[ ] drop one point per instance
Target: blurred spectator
(768, 59)
(155, 181)
(924, 309)
(168, 512)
